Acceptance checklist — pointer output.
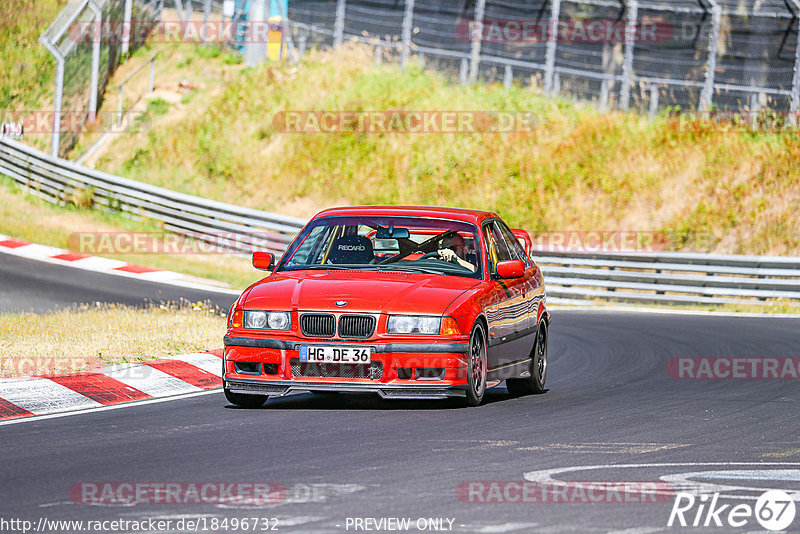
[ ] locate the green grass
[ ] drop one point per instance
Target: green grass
(157, 106)
(26, 66)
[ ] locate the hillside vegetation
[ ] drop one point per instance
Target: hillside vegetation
(580, 169)
(26, 67)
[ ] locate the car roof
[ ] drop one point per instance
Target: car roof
(456, 214)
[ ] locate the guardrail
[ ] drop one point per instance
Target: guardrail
(231, 227)
(663, 277)
(670, 277)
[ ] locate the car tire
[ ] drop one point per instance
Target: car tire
(538, 368)
(245, 401)
(476, 366)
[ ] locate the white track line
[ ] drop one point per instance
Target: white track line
(112, 407)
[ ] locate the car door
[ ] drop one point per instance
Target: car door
(532, 284)
(508, 312)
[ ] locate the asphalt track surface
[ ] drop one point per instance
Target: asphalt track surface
(30, 285)
(611, 404)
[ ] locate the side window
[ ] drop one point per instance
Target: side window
(491, 250)
(516, 248)
(499, 244)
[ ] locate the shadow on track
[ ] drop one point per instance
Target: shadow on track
(369, 402)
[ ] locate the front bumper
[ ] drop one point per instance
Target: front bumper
(278, 388)
(404, 368)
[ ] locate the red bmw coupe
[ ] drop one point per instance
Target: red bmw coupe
(405, 302)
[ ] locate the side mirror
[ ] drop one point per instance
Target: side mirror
(510, 269)
(263, 261)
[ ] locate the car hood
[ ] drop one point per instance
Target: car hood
(372, 292)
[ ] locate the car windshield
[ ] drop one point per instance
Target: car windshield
(387, 243)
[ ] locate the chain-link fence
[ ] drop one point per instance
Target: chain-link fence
(737, 55)
(732, 55)
(86, 57)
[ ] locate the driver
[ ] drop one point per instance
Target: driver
(454, 249)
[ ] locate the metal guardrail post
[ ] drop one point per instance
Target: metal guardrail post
(707, 95)
(477, 39)
(508, 77)
(550, 52)
(126, 27)
(338, 28)
(408, 21)
(632, 14)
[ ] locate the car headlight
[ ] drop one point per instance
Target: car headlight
(267, 320)
(413, 324)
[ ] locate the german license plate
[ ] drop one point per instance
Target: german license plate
(325, 354)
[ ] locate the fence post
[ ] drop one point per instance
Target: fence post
(463, 72)
(59, 94)
(795, 103)
(153, 74)
(508, 77)
(550, 52)
(338, 28)
(653, 101)
(95, 75)
(126, 27)
(707, 95)
(632, 13)
(287, 33)
(477, 38)
(181, 14)
(604, 95)
(408, 21)
(206, 16)
(754, 107)
(255, 51)
(120, 104)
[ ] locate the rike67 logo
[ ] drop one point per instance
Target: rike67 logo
(774, 510)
